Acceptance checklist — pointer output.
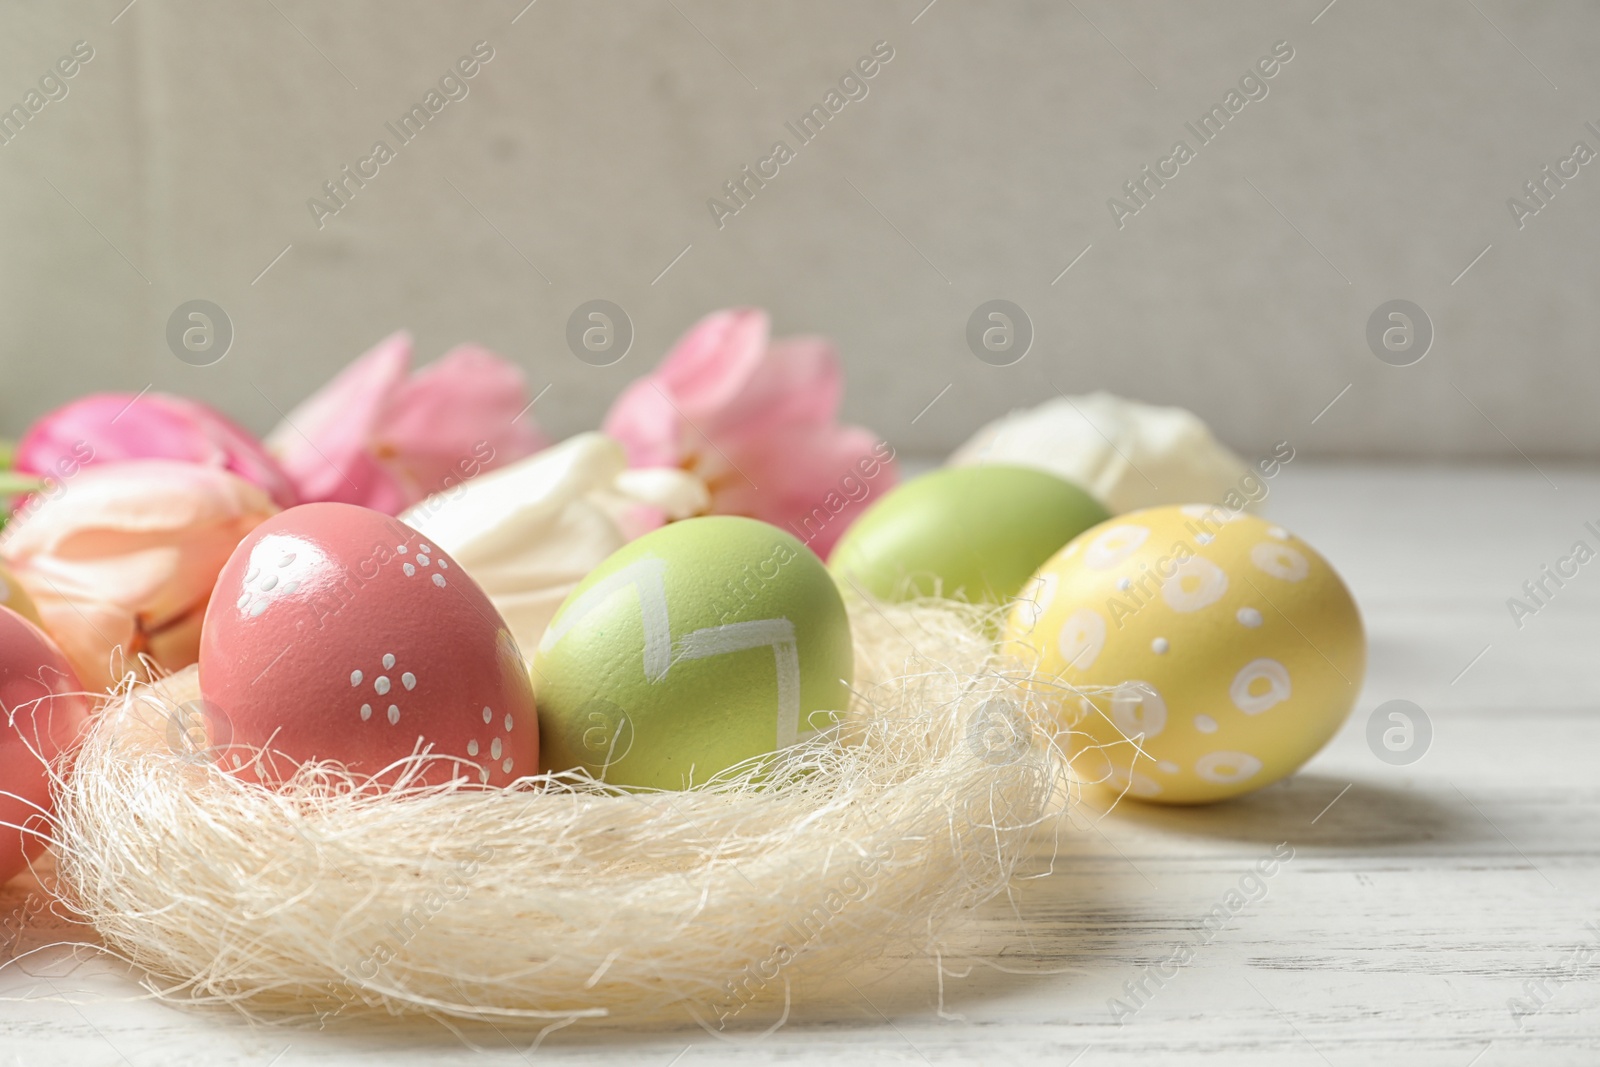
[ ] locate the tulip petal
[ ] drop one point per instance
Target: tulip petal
(712, 363)
(800, 383)
(109, 427)
(324, 443)
(461, 415)
(130, 550)
(654, 433)
(811, 480)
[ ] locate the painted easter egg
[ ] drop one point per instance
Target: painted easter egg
(973, 533)
(699, 645)
(14, 597)
(1231, 650)
(42, 708)
(339, 633)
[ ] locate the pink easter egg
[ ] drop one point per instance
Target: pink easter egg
(336, 632)
(42, 709)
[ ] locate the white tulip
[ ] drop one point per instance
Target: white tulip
(530, 531)
(1126, 454)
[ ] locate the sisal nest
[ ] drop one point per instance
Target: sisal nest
(562, 899)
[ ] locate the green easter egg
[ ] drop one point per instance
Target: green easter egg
(971, 533)
(701, 644)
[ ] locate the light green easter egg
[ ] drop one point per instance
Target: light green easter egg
(701, 644)
(971, 533)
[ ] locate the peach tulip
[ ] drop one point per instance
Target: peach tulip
(122, 561)
(756, 420)
(379, 436)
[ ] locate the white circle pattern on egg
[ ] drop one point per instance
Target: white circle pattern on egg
(1137, 709)
(1280, 561)
(1113, 546)
(1235, 703)
(1226, 768)
(1248, 695)
(1196, 583)
(1083, 635)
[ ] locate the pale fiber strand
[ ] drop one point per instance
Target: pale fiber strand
(561, 898)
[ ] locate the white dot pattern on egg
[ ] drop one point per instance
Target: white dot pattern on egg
(383, 685)
(1110, 547)
(1280, 561)
(1184, 604)
(1138, 709)
(1227, 768)
(278, 569)
(1260, 684)
(1195, 583)
(1082, 636)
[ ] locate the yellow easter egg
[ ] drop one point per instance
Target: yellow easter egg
(1227, 651)
(12, 596)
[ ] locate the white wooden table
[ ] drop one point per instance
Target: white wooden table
(1421, 900)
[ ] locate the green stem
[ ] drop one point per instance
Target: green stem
(14, 484)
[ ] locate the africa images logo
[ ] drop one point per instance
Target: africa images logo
(453, 85)
(741, 189)
(1141, 189)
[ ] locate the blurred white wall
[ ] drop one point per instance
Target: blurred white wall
(978, 165)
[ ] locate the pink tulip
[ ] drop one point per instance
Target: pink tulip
(124, 558)
(756, 420)
(107, 427)
(382, 437)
